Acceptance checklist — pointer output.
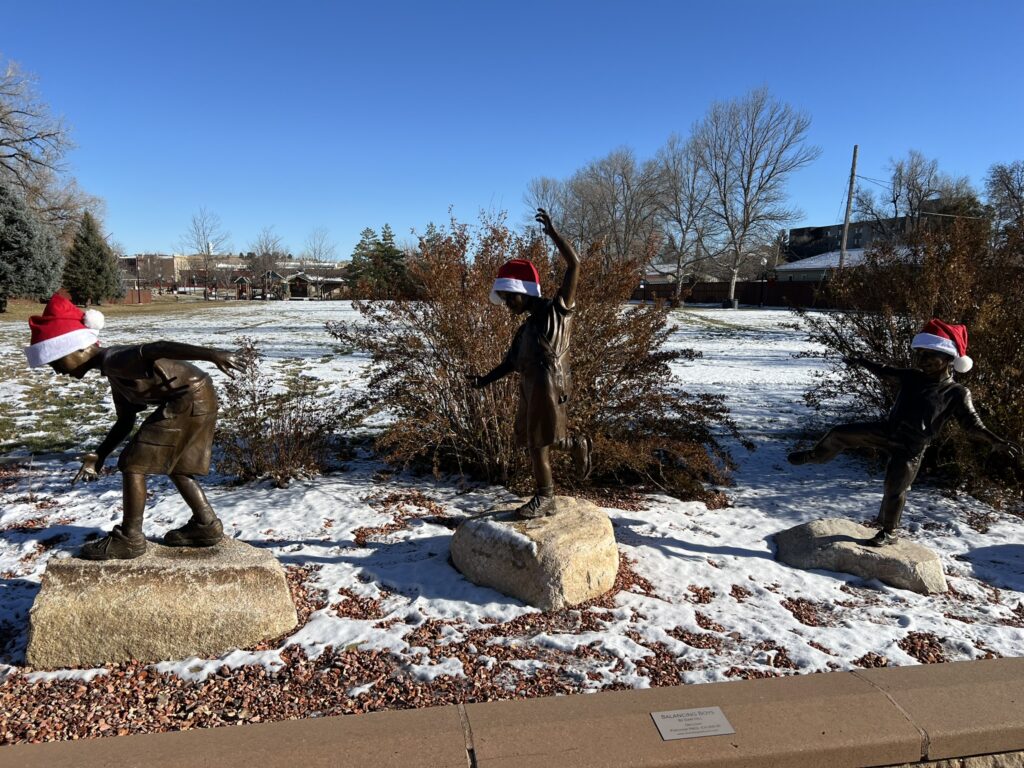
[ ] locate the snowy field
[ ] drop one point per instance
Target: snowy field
(701, 598)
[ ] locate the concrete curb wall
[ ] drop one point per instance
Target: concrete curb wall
(878, 717)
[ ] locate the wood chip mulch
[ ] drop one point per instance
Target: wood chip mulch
(501, 661)
(923, 646)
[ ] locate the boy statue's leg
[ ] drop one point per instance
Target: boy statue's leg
(842, 438)
(899, 476)
(543, 501)
(204, 529)
(125, 541)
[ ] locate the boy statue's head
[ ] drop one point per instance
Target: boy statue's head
(517, 284)
(940, 343)
(64, 337)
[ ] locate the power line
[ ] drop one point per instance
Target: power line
(879, 182)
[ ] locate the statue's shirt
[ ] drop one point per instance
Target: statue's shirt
(138, 384)
(543, 340)
(924, 405)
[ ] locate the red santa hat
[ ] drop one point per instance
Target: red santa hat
(62, 329)
(943, 337)
(516, 276)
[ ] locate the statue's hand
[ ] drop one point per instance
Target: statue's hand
(90, 469)
(544, 219)
(476, 382)
(228, 362)
(852, 360)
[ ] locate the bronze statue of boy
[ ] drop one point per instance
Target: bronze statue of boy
(175, 440)
(927, 398)
(540, 355)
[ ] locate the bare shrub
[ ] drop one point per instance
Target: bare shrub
(646, 431)
(263, 431)
(957, 274)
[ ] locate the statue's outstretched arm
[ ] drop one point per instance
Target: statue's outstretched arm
(173, 350)
(572, 259)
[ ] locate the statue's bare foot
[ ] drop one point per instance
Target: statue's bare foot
(195, 534)
(114, 546)
(880, 539)
(538, 506)
(582, 450)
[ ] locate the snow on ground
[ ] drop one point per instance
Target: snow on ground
(703, 592)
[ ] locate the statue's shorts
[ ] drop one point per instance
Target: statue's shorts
(177, 438)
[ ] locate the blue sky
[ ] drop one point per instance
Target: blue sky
(343, 115)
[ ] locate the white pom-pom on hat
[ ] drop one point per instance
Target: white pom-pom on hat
(93, 319)
(963, 364)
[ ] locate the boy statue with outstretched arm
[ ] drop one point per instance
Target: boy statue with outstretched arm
(174, 440)
(928, 397)
(540, 355)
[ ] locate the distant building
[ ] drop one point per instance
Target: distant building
(814, 269)
(805, 242)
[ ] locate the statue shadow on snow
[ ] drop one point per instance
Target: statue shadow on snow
(16, 597)
(626, 534)
(417, 568)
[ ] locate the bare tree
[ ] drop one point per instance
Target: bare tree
(265, 251)
(748, 148)
(33, 144)
(916, 189)
(682, 212)
(612, 199)
(318, 250)
(205, 239)
(1004, 189)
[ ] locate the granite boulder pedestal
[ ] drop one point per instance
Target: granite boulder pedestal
(550, 562)
(170, 603)
(836, 544)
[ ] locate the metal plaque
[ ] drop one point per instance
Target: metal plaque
(692, 723)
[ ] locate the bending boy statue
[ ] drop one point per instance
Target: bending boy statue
(927, 398)
(540, 355)
(174, 440)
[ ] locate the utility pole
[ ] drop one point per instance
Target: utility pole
(849, 205)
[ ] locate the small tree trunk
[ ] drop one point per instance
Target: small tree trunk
(732, 283)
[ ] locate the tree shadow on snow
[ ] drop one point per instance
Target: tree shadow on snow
(416, 568)
(1000, 565)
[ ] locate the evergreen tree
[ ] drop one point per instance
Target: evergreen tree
(30, 261)
(389, 266)
(91, 272)
(361, 267)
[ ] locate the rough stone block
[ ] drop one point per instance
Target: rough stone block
(552, 562)
(836, 545)
(168, 604)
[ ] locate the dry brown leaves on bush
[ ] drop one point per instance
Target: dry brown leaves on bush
(646, 432)
(956, 272)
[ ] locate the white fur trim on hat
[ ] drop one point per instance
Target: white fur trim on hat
(511, 285)
(934, 343)
(963, 364)
(94, 319)
(48, 350)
